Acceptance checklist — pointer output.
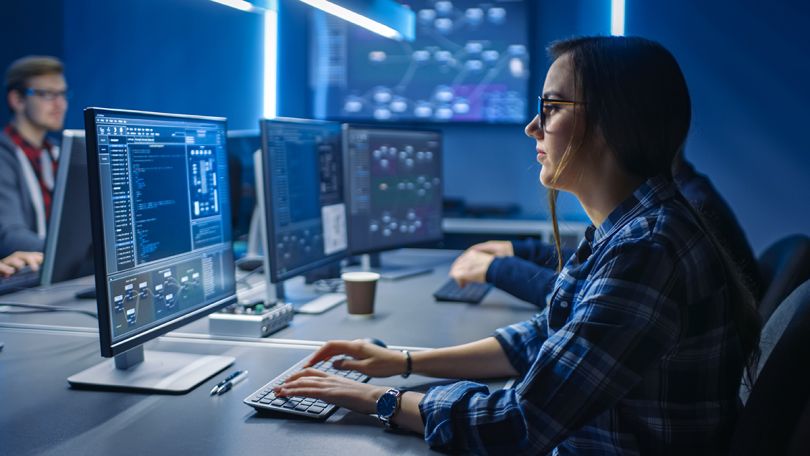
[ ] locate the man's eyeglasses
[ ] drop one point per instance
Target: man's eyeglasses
(546, 106)
(48, 95)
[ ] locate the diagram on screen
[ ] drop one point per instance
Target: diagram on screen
(469, 63)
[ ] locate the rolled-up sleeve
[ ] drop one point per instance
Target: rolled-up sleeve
(465, 416)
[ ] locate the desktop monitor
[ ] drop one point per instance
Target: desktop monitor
(469, 62)
(393, 190)
(69, 245)
(162, 241)
(302, 198)
(241, 146)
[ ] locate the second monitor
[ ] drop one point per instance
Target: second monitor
(393, 190)
(302, 198)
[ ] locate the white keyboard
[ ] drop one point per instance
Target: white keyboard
(322, 303)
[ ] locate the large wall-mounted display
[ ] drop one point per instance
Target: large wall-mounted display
(468, 63)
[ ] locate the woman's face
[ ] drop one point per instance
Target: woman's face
(559, 129)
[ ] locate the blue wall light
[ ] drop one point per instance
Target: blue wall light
(617, 17)
(270, 65)
(238, 4)
(383, 17)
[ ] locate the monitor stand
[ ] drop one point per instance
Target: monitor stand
(161, 372)
(372, 262)
(307, 301)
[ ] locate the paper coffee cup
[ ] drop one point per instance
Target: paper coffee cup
(361, 287)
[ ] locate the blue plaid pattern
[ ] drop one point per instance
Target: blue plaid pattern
(635, 354)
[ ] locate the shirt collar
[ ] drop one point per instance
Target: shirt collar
(20, 140)
(648, 194)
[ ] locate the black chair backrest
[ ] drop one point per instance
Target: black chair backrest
(782, 388)
(783, 266)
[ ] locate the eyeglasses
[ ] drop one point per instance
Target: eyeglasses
(546, 106)
(48, 95)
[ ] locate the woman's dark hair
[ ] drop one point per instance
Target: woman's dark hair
(635, 95)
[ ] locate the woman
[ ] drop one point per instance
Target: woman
(649, 328)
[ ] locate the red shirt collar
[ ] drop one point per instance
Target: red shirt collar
(19, 140)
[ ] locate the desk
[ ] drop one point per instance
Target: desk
(40, 414)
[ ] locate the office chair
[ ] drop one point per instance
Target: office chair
(769, 422)
(783, 266)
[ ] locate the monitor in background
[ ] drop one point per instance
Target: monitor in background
(162, 236)
(303, 202)
(393, 192)
(69, 246)
(469, 62)
(241, 146)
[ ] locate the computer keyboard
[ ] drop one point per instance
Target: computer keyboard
(321, 304)
(23, 278)
(472, 292)
(264, 399)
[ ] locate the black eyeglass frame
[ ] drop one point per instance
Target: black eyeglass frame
(541, 105)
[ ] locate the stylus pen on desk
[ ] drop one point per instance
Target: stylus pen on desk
(230, 383)
(230, 377)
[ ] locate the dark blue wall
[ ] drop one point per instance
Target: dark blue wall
(186, 56)
(19, 37)
(747, 64)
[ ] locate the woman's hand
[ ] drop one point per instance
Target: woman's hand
(18, 260)
(360, 397)
(471, 266)
(369, 359)
(497, 248)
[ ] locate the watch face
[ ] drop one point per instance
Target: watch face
(386, 404)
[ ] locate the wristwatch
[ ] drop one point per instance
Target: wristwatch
(387, 406)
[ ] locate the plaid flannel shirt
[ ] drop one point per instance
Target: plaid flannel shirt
(636, 353)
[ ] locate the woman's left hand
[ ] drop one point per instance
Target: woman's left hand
(360, 397)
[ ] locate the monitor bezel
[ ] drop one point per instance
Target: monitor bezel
(350, 220)
(109, 348)
(54, 225)
(267, 209)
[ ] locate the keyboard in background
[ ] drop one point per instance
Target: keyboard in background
(264, 399)
(24, 278)
(472, 292)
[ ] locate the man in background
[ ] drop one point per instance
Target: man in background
(36, 94)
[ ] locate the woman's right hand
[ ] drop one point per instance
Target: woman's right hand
(370, 359)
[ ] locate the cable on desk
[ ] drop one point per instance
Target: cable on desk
(42, 308)
(243, 280)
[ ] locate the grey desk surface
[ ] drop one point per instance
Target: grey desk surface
(405, 312)
(40, 414)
